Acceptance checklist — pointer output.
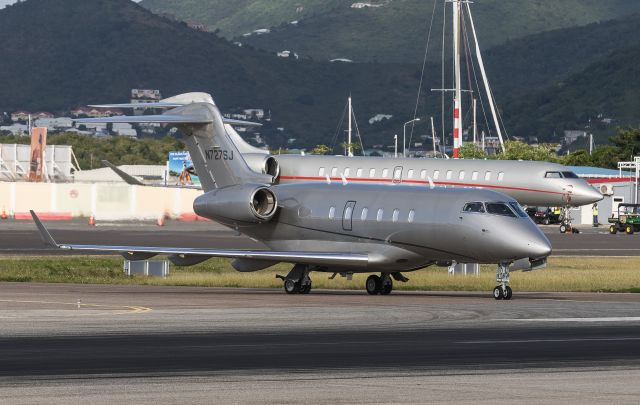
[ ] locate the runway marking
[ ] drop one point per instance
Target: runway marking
(130, 309)
(485, 342)
(580, 320)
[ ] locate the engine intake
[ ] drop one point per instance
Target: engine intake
(241, 203)
(263, 164)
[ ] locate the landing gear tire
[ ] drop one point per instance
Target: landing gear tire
(373, 285)
(563, 228)
(508, 293)
(613, 229)
(291, 286)
(387, 286)
(305, 289)
(497, 293)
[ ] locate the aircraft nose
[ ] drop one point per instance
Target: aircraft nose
(587, 195)
(539, 247)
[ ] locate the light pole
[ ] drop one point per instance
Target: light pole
(395, 142)
(404, 136)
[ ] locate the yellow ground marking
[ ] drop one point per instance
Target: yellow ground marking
(130, 309)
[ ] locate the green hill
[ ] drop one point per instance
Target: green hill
(608, 88)
(329, 29)
(58, 54)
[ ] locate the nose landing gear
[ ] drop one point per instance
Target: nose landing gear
(502, 290)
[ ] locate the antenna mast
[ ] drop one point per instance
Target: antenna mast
(349, 148)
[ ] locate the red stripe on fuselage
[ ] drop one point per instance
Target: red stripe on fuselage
(418, 182)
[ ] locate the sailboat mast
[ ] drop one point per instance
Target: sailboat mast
(457, 109)
(349, 148)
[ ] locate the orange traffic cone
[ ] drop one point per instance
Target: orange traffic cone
(161, 220)
(92, 220)
(4, 214)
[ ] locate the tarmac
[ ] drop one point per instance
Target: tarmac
(22, 238)
(63, 344)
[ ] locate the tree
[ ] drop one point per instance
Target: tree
(517, 150)
(471, 151)
(321, 150)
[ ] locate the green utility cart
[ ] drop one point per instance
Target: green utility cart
(628, 219)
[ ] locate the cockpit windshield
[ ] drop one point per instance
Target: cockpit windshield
(570, 175)
(474, 207)
(500, 209)
(553, 175)
(518, 209)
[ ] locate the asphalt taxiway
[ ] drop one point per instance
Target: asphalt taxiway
(105, 344)
(22, 238)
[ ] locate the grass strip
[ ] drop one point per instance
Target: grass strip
(564, 274)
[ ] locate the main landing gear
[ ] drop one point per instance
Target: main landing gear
(502, 290)
(298, 280)
(383, 284)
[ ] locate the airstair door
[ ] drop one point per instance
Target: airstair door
(347, 216)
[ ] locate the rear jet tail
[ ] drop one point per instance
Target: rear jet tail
(216, 158)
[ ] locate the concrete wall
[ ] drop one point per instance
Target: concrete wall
(104, 201)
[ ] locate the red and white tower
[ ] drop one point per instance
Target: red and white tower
(457, 101)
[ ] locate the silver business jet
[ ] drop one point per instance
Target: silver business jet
(337, 227)
(530, 183)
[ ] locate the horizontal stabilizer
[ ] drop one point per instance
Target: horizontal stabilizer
(147, 119)
(161, 119)
(138, 105)
(123, 175)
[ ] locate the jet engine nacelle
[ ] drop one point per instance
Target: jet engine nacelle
(241, 203)
(264, 164)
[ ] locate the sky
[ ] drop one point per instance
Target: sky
(3, 3)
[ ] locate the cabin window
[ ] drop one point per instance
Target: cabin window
(397, 174)
(500, 209)
(380, 214)
(449, 174)
(359, 173)
(500, 176)
(487, 176)
(569, 175)
(474, 176)
(332, 212)
(412, 216)
(474, 207)
(461, 175)
(348, 213)
(410, 174)
(396, 215)
(553, 175)
(334, 172)
(423, 175)
(436, 174)
(346, 172)
(372, 173)
(365, 212)
(321, 172)
(385, 173)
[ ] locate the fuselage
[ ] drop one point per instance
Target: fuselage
(402, 229)
(530, 183)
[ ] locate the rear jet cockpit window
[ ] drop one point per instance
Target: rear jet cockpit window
(474, 207)
(518, 209)
(553, 175)
(570, 175)
(500, 209)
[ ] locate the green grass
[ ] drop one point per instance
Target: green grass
(566, 274)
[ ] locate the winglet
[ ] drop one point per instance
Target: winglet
(44, 234)
(123, 175)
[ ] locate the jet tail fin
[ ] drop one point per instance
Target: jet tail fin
(216, 158)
